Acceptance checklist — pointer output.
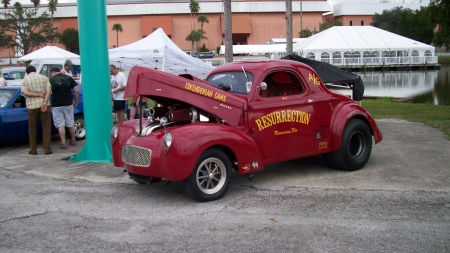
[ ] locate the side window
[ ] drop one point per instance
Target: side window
(44, 70)
(281, 83)
(47, 68)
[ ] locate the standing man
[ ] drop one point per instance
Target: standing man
(118, 83)
(37, 89)
(67, 68)
(63, 104)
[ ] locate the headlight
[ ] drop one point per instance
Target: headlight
(168, 138)
(114, 133)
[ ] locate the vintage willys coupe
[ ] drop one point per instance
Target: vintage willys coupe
(244, 116)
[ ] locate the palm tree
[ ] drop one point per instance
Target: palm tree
(193, 36)
(228, 31)
(195, 8)
(5, 5)
(289, 49)
(118, 28)
(35, 3)
(52, 8)
(202, 19)
(201, 35)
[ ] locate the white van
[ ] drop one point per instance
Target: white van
(44, 67)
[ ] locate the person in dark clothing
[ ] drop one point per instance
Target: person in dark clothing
(63, 104)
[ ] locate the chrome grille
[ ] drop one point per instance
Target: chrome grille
(136, 155)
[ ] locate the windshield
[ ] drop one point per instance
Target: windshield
(235, 80)
(5, 97)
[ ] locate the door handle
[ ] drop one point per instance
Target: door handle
(310, 100)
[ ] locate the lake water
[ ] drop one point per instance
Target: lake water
(431, 86)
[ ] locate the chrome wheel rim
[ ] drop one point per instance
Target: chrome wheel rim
(356, 145)
(211, 175)
(80, 132)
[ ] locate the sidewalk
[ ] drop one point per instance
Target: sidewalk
(410, 157)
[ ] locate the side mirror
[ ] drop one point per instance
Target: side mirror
(263, 86)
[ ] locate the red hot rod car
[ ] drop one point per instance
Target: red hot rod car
(244, 116)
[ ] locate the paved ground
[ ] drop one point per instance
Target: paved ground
(399, 202)
(410, 157)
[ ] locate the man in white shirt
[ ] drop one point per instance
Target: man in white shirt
(118, 83)
(67, 68)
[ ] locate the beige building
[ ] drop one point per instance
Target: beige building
(254, 22)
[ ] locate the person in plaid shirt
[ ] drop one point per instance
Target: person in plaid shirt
(37, 90)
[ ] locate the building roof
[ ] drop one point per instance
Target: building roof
(358, 38)
(160, 7)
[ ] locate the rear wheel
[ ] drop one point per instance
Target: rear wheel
(80, 131)
(210, 177)
(356, 147)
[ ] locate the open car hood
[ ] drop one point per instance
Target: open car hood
(186, 91)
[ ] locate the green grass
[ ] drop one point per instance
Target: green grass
(444, 59)
(437, 116)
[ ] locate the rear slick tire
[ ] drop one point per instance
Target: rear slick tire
(356, 147)
(210, 177)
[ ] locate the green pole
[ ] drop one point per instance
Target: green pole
(96, 89)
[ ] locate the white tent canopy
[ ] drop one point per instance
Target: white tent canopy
(48, 52)
(159, 52)
(358, 38)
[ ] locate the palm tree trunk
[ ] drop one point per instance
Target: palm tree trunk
(228, 31)
(117, 39)
(289, 49)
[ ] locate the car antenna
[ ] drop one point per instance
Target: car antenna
(248, 84)
(245, 73)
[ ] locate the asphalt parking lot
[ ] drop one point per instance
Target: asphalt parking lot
(410, 157)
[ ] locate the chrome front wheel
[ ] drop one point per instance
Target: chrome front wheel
(211, 176)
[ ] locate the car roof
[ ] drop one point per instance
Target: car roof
(9, 69)
(10, 88)
(75, 61)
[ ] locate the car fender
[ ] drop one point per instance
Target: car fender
(346, 111)
(190, 141)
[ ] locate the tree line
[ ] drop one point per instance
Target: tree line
(24, 31)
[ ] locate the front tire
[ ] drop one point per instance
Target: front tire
(210, 177)
(356, 147)
(80, 131)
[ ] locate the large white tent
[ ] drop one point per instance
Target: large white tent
(361, 39)
(159, 52)
(48, 52)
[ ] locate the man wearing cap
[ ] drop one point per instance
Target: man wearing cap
(67, 68)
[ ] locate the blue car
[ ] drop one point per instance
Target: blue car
(14, 118)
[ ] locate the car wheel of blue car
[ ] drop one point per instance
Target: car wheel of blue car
(355, 148)
(210, 177)
(80, 131)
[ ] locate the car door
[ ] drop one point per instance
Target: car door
(16, 119)
(281, 118)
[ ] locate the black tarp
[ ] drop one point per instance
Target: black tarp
(331, 74)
